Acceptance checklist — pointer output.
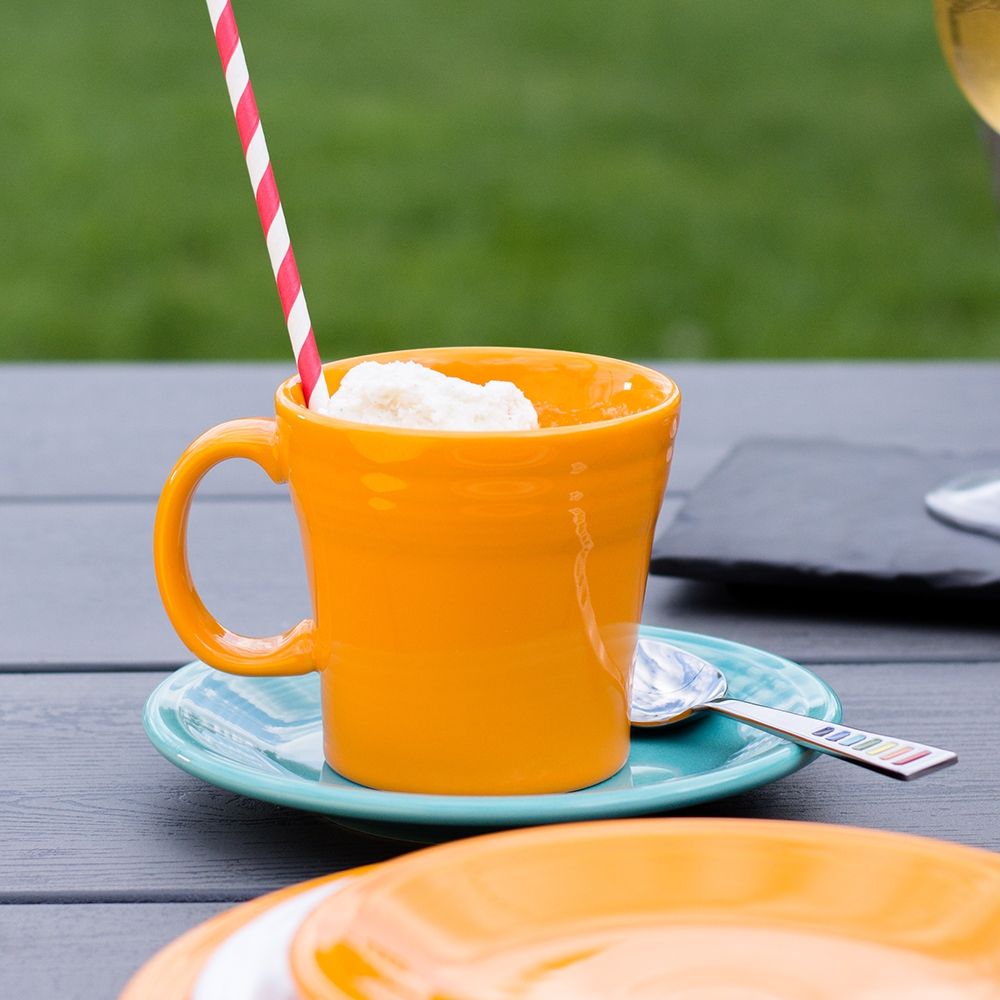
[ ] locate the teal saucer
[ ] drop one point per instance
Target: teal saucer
(262, 737)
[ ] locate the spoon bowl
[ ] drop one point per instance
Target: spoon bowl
(670, 684)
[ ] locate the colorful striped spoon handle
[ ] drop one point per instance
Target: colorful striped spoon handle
(272, 216)
(889, 755)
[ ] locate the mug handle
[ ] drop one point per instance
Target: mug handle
(289, 653)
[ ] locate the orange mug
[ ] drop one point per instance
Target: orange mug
(476, 595)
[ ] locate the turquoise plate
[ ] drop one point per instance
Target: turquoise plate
(261, 736)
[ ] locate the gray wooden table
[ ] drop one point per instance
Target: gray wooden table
(107, 851)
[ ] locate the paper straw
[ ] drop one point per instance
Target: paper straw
(272, 218)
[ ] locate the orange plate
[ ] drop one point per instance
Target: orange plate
(172, 972)
(664, 908)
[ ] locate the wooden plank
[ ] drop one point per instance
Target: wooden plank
(115, 430)
(86, 952)
(79, 588)
(78, 591)
(922, 405)
(89, 810)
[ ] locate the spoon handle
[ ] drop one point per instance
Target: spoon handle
(889, 755)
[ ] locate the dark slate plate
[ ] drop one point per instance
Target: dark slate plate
(824, 513)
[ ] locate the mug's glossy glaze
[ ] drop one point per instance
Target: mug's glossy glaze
(476, 595)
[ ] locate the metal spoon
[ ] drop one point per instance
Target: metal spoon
(670, 684)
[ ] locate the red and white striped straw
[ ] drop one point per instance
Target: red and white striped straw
(272, 218)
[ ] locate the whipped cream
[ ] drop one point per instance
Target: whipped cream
(408, 394)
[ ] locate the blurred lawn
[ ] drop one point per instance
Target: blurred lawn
(649, 177)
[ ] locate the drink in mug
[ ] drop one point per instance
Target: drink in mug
(476, 594)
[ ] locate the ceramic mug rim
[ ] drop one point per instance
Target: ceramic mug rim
(285, 396)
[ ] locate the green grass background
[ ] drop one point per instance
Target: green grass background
(686, 178)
